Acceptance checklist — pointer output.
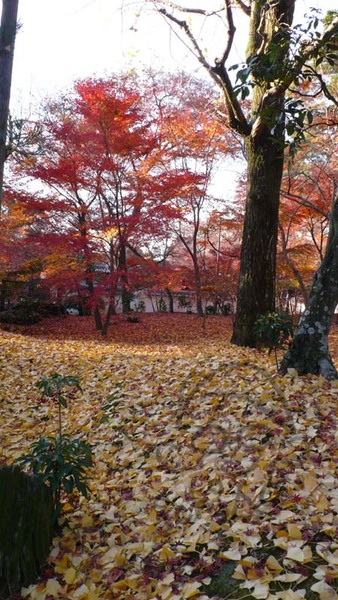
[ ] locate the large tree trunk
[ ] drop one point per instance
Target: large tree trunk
(265, 156)
(7, 39)
(256, 290)
(309, 351)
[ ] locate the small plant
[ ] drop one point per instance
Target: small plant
(161, 305)
(60, 461)
(274, 331)
(141, 306)
(184, 303)
(52, 386)
(210, 310)
(132, 319)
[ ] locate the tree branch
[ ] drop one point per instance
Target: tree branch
(195, 11)
(218, 73)
(240, 4)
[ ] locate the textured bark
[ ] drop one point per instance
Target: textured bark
(309, 351)
(256, 290)
(26, 514)
(265, 156)
(7, 39)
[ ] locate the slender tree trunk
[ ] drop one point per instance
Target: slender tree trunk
(309, 350)
(256, 290)
(197, 276)
(125, 295)
(110, 312)
(98, 319)
(292, 265)
(7, 40)
(171, 300)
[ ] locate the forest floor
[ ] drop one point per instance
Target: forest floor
(213, 476)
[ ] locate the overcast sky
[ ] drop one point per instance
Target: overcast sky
(61, 40)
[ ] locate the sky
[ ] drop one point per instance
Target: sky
(62, 40)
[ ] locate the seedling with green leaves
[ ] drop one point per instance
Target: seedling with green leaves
(60, 461)
(53, 385)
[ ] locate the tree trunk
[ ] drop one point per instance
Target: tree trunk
(171, 300)
(98, 319)
(197, 277)
(256, 290)
(110, 312)
(26, 514)
(125, 294)
(265, 156)
(7, 39)
(309, 351)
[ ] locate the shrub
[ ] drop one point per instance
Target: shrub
(274, 331)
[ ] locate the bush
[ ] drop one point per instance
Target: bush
(131, 319)
(24, 313)
(274, 331)
(29, 312)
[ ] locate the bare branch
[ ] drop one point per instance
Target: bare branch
(231, 31)
(185, 27)
(195, 11)
(218, 73)
(303, 202)
(244, 7)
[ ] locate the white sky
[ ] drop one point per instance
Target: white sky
(62, 40)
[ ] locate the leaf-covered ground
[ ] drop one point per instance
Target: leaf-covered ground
(213, 475)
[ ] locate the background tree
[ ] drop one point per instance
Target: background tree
(196, 144)
(309, 351)
(119, 166)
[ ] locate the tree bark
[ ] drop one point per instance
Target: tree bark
(7, 38)
(265, 157)
(309, 350)
(197, 277)
(171, 300)
(256, 289)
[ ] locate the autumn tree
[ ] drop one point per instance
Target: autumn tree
(309, 351)
(306, 200)
(111, 180)
(196, 144)
(222, 232)
(277, 58)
